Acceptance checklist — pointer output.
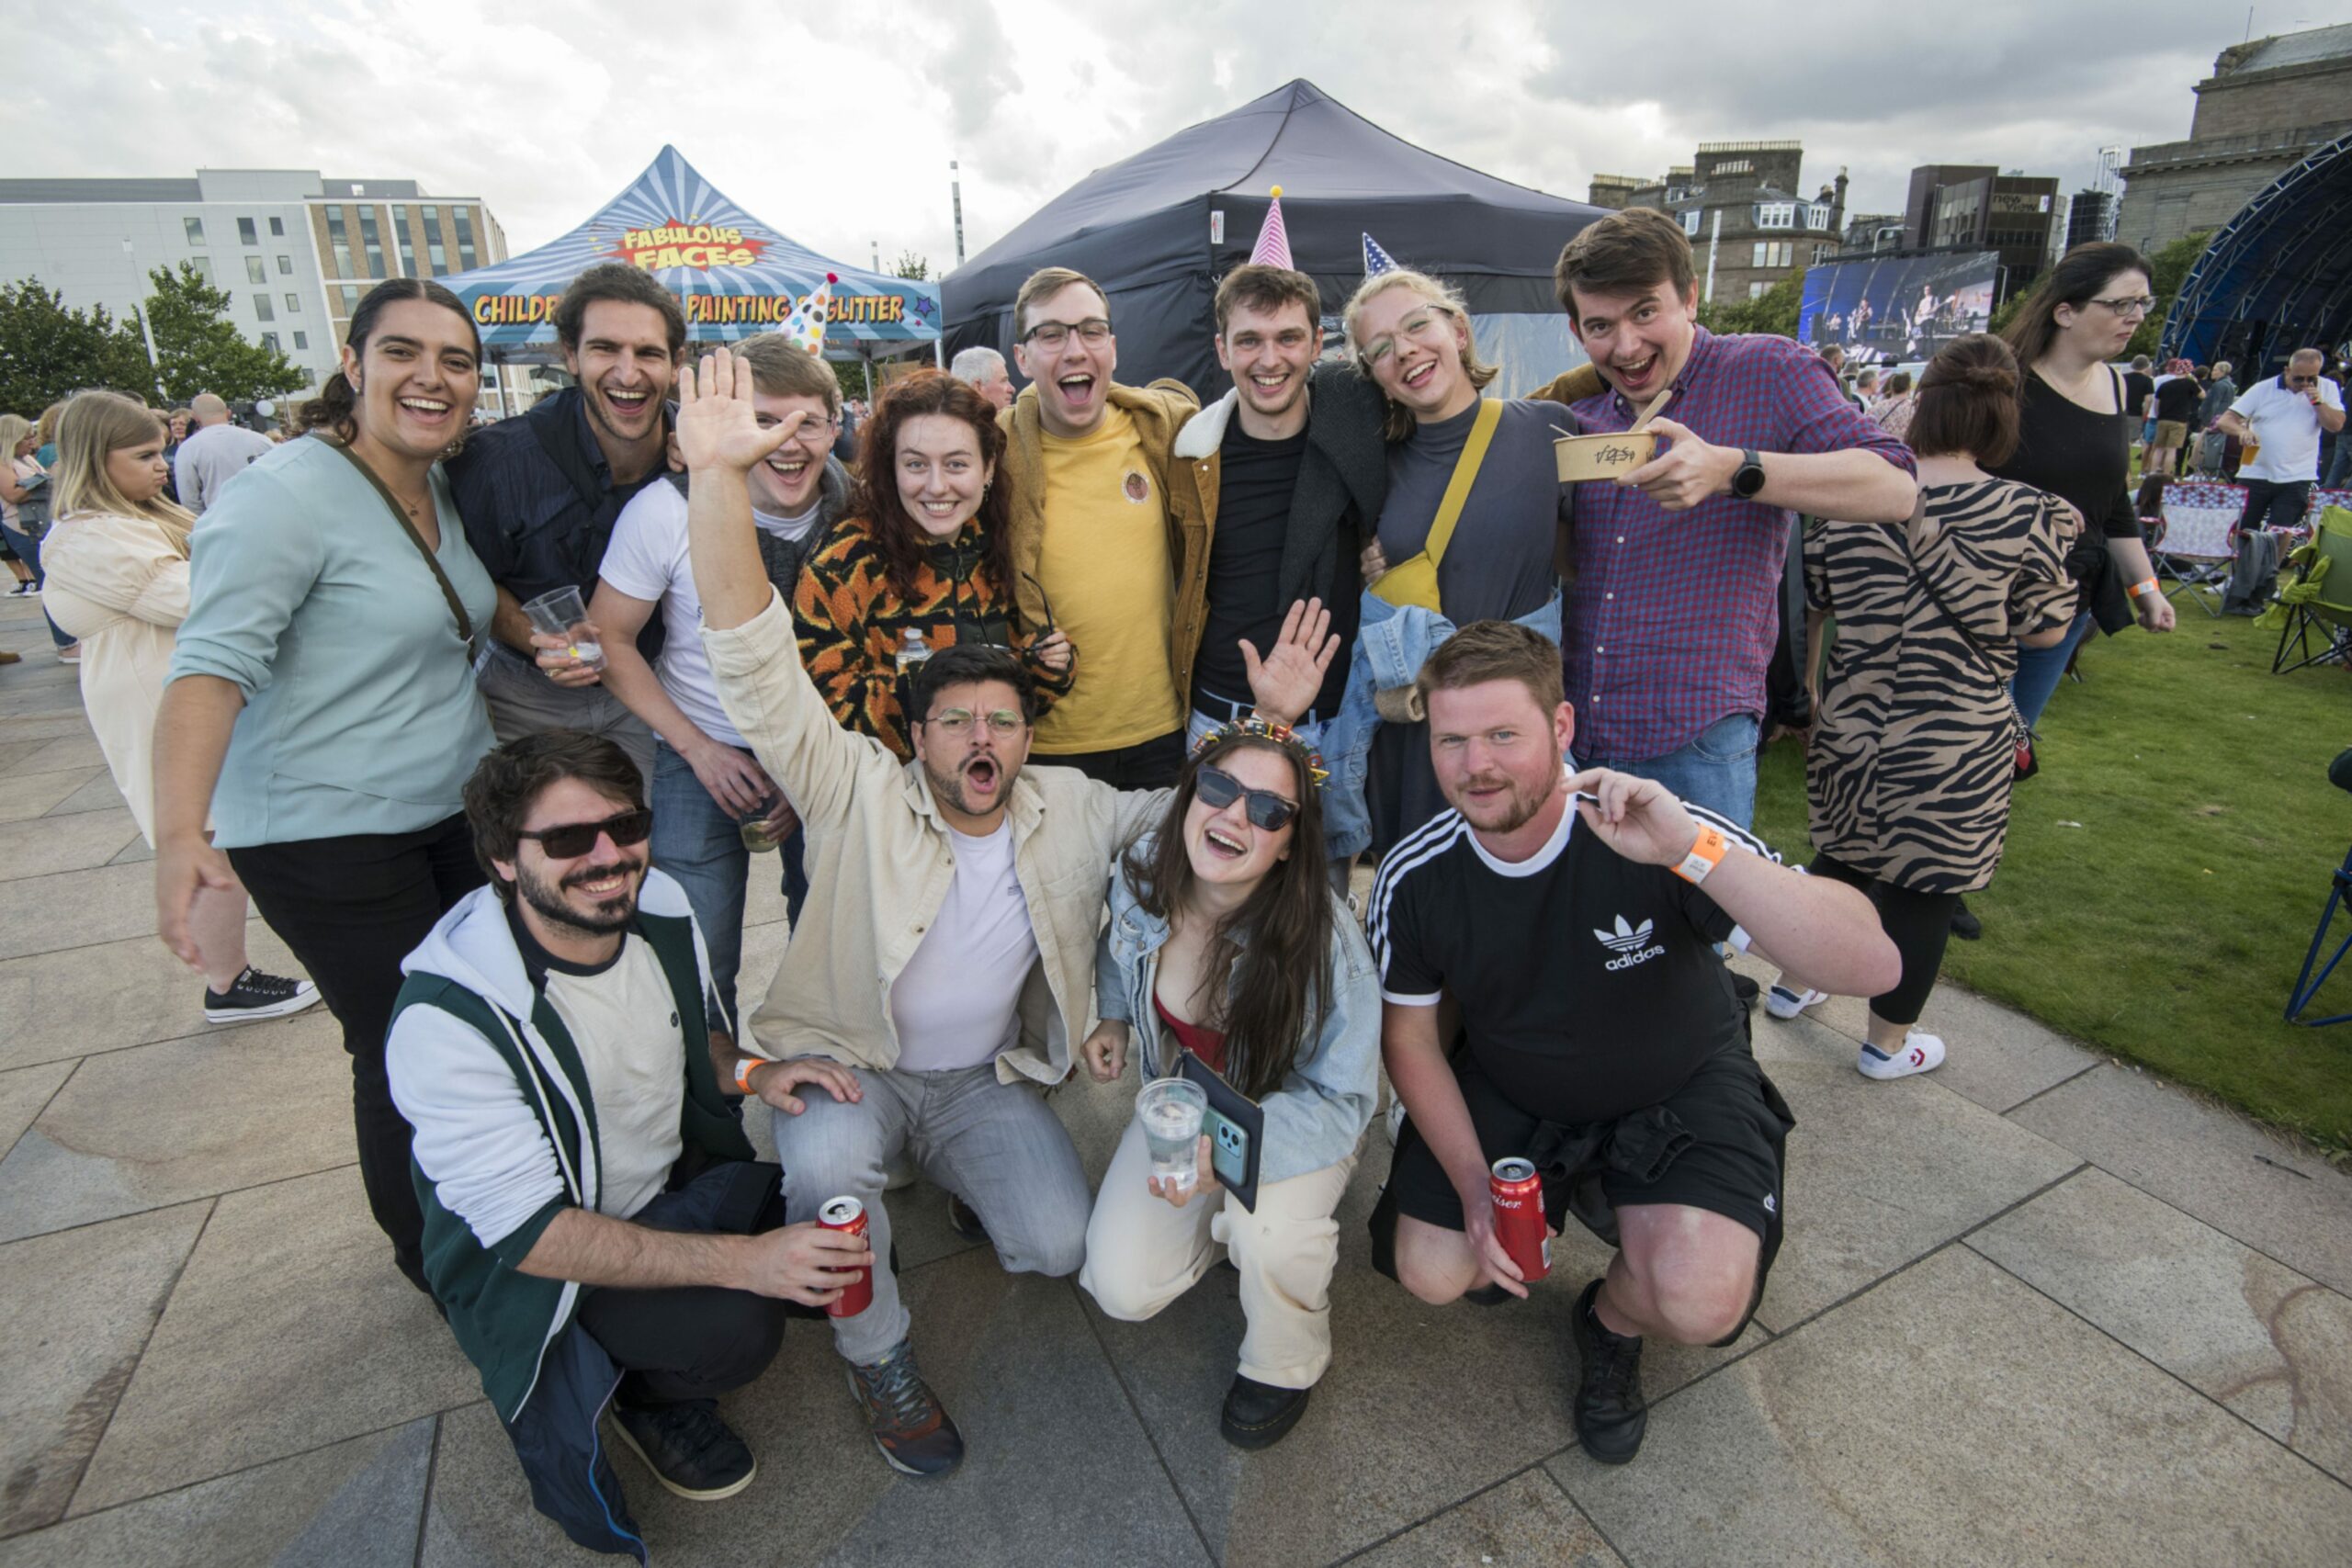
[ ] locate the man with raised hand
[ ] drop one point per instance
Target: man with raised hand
(1572, 918)
(2286, 413)
(946, 959)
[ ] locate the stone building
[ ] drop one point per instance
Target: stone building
(1742, 205)
(2268, 104)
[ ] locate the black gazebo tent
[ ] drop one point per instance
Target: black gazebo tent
(1159, 228)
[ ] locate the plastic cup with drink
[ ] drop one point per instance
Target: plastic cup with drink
(1171, 1111)
(560, 613)
(758, 835)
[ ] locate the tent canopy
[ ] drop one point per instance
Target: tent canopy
(735, 276)
(2278, 277)
(1158, 230)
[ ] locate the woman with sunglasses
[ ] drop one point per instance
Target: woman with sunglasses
(1226, 941)
(923, 560)
(321, 702)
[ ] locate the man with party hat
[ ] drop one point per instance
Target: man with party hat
(1279, 484)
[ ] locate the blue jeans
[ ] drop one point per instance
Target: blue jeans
(2038, 669)
(2339, 466)
(696, 841)
(28, 550)
(1716, 768)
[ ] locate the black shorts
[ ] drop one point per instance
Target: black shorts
(1719, 1143)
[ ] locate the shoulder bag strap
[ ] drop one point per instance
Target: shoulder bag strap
(1466, 474)
(399, 516)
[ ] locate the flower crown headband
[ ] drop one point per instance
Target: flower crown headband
(1281, 735)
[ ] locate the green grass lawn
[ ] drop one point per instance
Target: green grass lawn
(2165, 868)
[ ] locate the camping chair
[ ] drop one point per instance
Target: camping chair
(2318, 604)
(2197, 544)
(2307, 984)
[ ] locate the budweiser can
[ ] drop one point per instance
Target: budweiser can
(848, 1214)
(1519, 1216)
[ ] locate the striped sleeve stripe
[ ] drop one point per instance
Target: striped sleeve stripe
(1422, 845)
(1732, 831)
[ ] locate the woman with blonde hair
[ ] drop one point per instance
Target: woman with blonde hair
(117, 564)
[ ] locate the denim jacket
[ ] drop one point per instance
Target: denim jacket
(1395, 642)
(1314, 1119)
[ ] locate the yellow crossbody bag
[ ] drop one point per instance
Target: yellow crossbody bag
(1414, 581)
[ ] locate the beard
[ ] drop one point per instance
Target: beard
(601, 919)
(1513, 809)
(947, 785)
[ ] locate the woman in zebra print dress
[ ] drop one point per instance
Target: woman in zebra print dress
(1914, 741)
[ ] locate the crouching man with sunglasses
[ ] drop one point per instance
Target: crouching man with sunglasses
(947, 951)
(595, 1226)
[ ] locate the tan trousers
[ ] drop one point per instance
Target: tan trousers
(1142, 1253)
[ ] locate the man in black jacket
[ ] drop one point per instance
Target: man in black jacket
(539, 494)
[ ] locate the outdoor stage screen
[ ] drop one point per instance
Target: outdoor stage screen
(1886, 310)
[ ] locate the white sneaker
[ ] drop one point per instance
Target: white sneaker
(1396, 1116)
(1920, 1053)
(1782, 1003)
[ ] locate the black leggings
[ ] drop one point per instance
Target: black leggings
(351, 909)
(1919, 924)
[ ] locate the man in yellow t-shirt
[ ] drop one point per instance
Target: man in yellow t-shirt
(1092, 533)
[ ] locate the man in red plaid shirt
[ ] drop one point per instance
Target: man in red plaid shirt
(1671, 621)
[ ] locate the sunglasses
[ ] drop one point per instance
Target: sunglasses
(576, 839)
(1265, 808)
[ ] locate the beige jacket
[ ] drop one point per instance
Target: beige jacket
(116, 584)
(879, 863)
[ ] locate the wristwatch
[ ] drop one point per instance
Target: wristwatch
(1748, 478)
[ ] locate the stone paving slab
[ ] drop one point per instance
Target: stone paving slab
(71, 750)
(24, 1093)
(1526, 1522)
(353, 1505)
(29, 796)
(289, 1330)
(79, 1308)
(98, 793)
(160, 1124)
(2245, 1331)
(2245, 1181)
(74, 843)
(1955, 1415)
(76, 908)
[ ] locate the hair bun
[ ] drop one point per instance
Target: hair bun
(1991, 377)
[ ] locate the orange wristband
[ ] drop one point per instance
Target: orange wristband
(1703, 856)
(744, 1067)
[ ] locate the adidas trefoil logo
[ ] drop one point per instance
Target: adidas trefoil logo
(1631, 943)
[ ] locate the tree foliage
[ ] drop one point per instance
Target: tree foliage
(201, 349)
(1774, 311)
(48, 352)
(912, 265)
(2169, 269)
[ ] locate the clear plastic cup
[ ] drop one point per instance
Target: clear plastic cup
(1171, 1111)
(754, 826)
(560, 612)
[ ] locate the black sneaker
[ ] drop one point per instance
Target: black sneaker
(909, 1425)
(965, 1220)
(1745, 989)
(1258, 1415)
(254, 994)
(1965, 924)
(1610, 1416)
(688, 1448)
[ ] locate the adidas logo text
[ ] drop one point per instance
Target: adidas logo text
(1630, 942)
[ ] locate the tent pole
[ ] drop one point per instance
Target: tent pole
(868, 362)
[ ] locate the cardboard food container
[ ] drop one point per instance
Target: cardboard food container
(1602, 456)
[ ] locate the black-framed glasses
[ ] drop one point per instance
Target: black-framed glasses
(1264, 808)
(958, 722)
(1093, 331)
(576, 839)
(2130, 305)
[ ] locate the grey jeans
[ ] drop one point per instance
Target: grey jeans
(523, 701)
(995, 1146)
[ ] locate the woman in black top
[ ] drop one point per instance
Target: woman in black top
(2075, 434)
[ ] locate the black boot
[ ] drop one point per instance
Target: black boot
(1258, 1415)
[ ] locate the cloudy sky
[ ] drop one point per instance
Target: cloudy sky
(836, 123)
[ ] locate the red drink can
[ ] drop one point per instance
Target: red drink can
(848, 1214)
(1519, 1216)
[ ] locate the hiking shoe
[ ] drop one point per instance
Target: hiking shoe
(252, 996)
(964, 1220)
(1258, 1415)
(1609, 1413)
(1919, 1053)
(1782, 1003)
(688, 1448)
(909, 1425)
(1965, 925)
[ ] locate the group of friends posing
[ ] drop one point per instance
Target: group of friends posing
(1071, 718)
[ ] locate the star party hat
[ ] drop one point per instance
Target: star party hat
(1274, 239)
(1375, 260)
(806, 326)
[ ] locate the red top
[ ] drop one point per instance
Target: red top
(1208, 1045)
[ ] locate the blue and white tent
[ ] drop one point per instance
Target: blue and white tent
(735, 276)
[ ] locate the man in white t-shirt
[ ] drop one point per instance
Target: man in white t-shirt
(2286, 413)
(704, 781)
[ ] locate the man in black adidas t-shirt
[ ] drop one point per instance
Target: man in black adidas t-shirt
(1600, 1037)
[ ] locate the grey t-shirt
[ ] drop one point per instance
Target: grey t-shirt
(1498, 564)
(210, 459)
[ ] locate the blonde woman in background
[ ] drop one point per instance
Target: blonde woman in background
(117, 568)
